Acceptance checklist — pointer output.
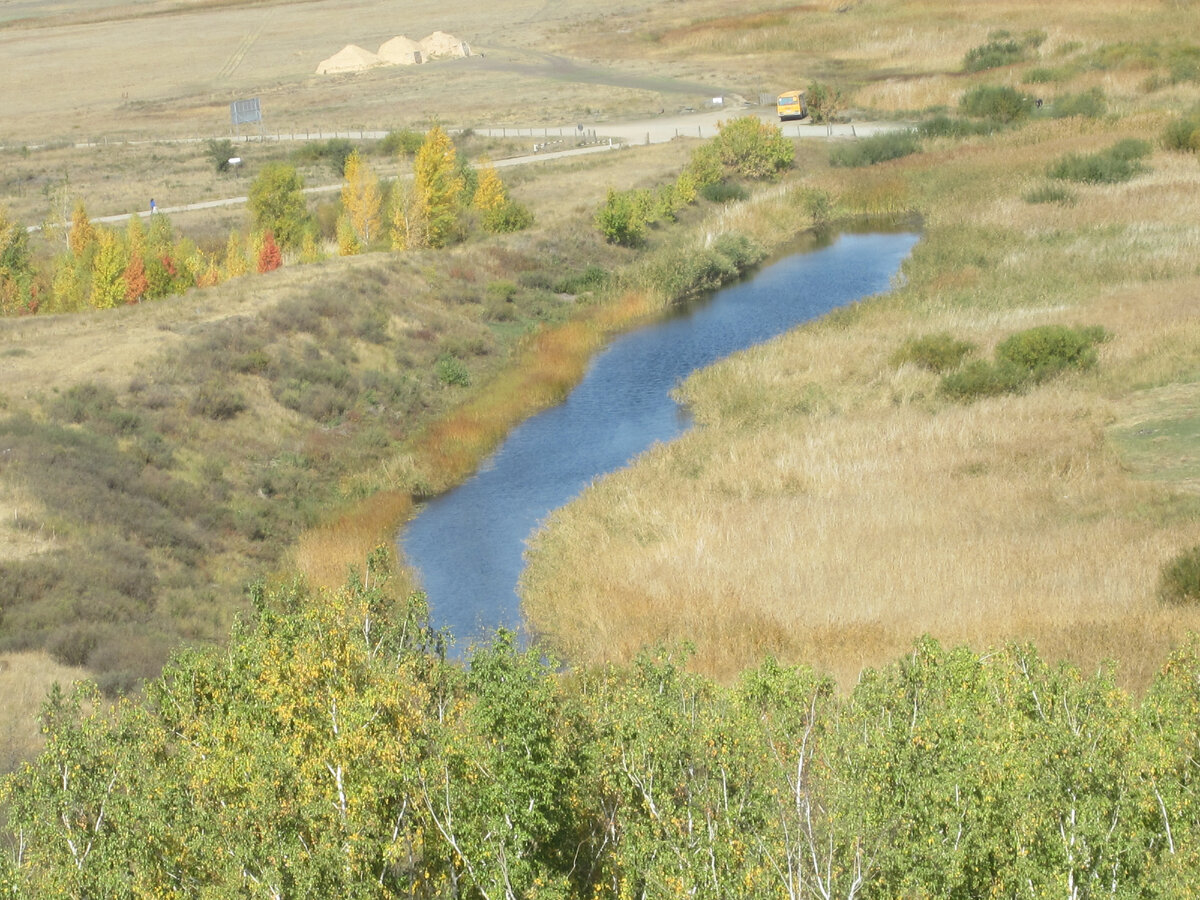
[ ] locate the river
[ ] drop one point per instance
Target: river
(468, 544)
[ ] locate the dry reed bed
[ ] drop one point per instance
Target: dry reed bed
(832, 507)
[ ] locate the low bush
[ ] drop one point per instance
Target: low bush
(1183, 134)
(452, 371)
(1050, 193)
(405, 141)
(938, 352)
(980, 378)
(1117, 164)
(1046, 350)
(1000, 103)
(1002, 49)
(875, 149)
(946, 126)
(993, 55)
(591, 278)
(623, 218)
(509, 217)
(333, 152)
(219, 154)
(1179, 583)
(1090, 104)
(217, 401)
(1024, 359)
(723, 192)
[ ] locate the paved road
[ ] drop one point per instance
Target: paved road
(547, 143)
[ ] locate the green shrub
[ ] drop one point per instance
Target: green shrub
(1002, 49)
(945, 126)
(623, 218)
(405, 141)
(1001, 103)
(1042, 76)
(993, 55)
(214, 400)
(592, 277)
(1090, 104)
(752, 148)
(723, 192)
(219, 154)
(824, 102)
(507, 218)
(739, 249)
(938, 352)
(1050, 193)
(1118, 163)
(1179, 583)
(1183, 134)
(334, 152)
(501, 290)
(1026, 358)
(979, 378)
(875, 149)
(452, 371)
(1046, 350)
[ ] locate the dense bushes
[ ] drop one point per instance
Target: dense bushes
(1118, 163)
(1180, 580)
(1090, 104)
(1002, 49)
(1021, 360)
(875, 149)
(939, 352)
(945, 126)
(744, 147)
(1183, 134)
(1000, 103)
(332, 751)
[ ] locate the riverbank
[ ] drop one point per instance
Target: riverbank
(548, 365)
(834, 505)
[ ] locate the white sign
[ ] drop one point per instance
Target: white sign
(718, 101)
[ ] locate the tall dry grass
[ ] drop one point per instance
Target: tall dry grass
(832, 507)
(25, 680)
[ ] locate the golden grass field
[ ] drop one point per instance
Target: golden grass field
(831, 507)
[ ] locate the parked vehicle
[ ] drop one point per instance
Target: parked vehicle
(791, 105)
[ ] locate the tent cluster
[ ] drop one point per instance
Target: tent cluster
(400, 50)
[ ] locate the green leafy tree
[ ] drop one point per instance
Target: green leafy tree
(219, 154)
(824, 102)
(277, 204)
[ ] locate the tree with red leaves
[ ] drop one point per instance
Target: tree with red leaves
(269, 255)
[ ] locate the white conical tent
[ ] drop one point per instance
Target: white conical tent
(351, 58)
(440, 44)
(402, 51)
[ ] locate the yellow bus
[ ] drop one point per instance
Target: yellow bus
(791, 105)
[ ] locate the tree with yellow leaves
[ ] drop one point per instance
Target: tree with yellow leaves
(361, 199)
(428, 215)
(498, 211)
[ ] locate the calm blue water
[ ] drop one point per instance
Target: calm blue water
(468, 544)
